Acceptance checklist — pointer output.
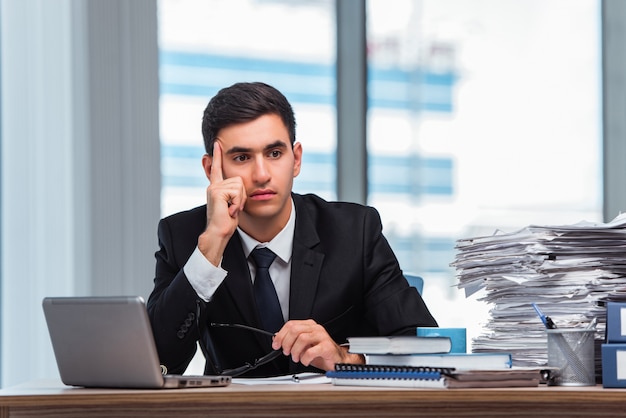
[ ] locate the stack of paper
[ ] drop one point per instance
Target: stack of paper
(568, 271)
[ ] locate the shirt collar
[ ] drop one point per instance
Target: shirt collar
(281, 244)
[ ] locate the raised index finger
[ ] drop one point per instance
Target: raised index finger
(216, 174)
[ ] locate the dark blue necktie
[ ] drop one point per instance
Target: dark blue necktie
(264, 291)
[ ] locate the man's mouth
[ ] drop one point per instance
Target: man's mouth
(262, 195)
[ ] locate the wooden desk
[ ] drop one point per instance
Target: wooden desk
(51, 399)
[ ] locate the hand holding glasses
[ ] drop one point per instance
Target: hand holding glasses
(250, 365)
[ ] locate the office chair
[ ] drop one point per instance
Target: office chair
(415, 281)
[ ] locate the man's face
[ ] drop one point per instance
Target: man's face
(260, 153)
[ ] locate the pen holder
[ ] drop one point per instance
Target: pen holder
(572, 352)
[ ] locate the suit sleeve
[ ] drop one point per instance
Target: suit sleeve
(173, 306)
(392, 306)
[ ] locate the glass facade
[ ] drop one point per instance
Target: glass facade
(288, 44)
(482, 115)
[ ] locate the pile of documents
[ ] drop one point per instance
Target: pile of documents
(569, 271)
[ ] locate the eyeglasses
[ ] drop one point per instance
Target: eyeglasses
(250, 365)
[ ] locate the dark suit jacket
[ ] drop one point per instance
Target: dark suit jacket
(344, 275)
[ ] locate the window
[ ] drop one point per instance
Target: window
(483, 115)
(288, 44)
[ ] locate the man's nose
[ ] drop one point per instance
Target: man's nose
(261, 173)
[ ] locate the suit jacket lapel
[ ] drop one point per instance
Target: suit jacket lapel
(306, 264)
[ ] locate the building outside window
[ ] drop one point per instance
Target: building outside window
(482, 115)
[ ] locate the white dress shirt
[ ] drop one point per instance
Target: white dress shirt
(205, 278)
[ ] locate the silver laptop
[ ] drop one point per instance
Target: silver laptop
(108, 342)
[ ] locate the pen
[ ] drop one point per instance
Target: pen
(593, 323)
(547, 321)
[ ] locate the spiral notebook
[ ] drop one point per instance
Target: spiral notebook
(431, 377)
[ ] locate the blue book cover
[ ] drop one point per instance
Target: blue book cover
(385, 374)
(371, 371)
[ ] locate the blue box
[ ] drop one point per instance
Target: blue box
(458, 336)
(614, 365)
(616, 322)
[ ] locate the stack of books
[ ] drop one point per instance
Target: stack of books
(425, 362)
(432, 377)
(424, 352)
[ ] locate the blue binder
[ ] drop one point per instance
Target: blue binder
(614, 365)
(616, 322)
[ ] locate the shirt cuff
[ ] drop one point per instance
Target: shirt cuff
(203, 276)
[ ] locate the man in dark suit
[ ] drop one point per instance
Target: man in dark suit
(334, 275)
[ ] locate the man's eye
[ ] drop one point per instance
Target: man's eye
(275, 153)
(240, 158)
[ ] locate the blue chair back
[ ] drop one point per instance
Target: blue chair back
(415, 281)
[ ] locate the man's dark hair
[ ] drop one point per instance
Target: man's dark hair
(244, 102)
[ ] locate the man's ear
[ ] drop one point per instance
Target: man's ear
(207, 162)
(297, 158)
